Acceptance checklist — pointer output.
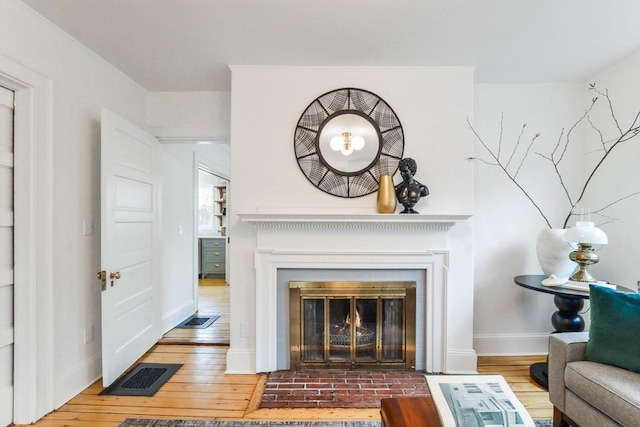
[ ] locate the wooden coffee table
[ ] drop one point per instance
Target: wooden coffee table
(409, 412)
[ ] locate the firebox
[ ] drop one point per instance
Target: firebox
(352, 325)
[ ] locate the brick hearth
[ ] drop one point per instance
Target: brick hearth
(339, 389)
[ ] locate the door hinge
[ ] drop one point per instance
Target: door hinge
(102, 276)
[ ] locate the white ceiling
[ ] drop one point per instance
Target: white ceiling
(187, 45)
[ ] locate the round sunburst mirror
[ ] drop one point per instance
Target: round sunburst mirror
(346, 140)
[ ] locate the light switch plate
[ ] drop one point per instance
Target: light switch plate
(87, 225)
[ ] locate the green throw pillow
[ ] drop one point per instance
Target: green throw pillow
(614, 336)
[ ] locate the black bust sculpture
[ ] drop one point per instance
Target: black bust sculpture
(409, 191)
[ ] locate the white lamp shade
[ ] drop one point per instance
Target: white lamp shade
(585, 232)
(347, 151)
(336, 143)
(357, 142)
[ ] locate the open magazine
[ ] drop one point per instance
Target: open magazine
(477, 401)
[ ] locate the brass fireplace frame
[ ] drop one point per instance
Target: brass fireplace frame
(298, 291)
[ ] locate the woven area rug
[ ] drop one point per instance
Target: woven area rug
(133, 422)
(339, 389)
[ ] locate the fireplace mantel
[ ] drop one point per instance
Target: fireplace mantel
(364, 245)
(352, 220)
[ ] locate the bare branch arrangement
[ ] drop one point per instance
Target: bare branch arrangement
(558, 154)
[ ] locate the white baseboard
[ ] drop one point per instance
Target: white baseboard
(6, 405)
(170, 320)
(462, 362)
(77, 380)
(511, 344)
(241, 361)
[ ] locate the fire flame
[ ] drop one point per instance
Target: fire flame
(358, 320)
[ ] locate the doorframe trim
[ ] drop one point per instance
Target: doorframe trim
(33, 241)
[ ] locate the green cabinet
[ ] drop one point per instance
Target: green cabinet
(212, 257)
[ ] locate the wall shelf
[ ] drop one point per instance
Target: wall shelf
(221, 203)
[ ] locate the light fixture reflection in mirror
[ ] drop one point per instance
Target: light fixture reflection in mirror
(348, 158)
(346, 143)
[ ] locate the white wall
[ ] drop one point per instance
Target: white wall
(190, 115)
(179, 271)
(619, 176)
(82, 85)
(506, 224)
(509, 318)
(432, 105)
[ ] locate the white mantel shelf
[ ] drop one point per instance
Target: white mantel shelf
(352, 221)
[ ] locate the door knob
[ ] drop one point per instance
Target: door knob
(102, 276)
(114, 276)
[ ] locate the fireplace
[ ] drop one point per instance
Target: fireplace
(352, 325)
(431, 249)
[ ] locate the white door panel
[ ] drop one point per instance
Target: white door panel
(6, 257)
(129, 229)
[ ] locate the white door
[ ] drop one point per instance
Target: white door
(131, 306)
(6, 257)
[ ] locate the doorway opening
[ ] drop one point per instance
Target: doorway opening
(195, 196)
(213, 288)
(33, 259)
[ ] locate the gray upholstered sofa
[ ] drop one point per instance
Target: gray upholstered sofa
(586, 393)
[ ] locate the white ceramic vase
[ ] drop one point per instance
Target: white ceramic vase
(553, 253)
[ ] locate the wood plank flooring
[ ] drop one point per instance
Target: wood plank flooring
(202, 390)
(213, 299)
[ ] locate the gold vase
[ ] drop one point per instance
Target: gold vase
(386, 195)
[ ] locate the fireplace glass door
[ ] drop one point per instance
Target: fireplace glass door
(352, 324)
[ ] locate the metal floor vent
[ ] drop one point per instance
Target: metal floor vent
(143, 380)
(198, 322)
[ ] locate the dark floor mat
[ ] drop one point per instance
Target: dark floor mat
(143, 380)
(198, 322)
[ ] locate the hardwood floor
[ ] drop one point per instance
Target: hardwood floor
(202, 390)
(213, 299)
(516, 371)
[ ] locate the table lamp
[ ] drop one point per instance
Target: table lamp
(585, 234)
